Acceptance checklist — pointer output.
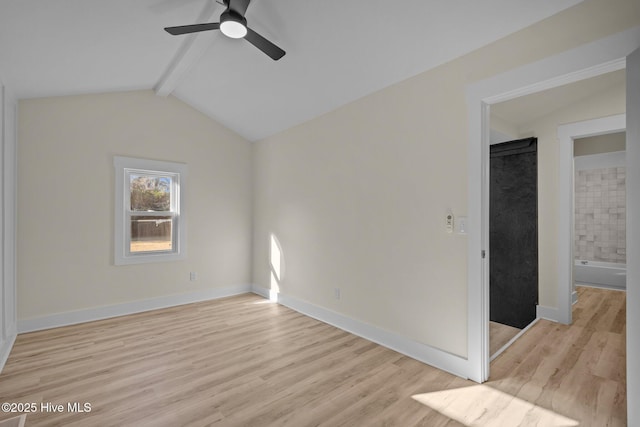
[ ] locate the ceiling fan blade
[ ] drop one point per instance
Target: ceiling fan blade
(239, 6)
(264, 45)
(195, 28)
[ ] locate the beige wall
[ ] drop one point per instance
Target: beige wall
(66, 200)
(599, 144)
(358, 196)
(502, 130)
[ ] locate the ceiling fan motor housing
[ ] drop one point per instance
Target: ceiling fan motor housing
(233, 25)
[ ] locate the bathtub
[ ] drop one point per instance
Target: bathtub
(604, 274)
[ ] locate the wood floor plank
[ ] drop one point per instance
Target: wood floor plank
(500, 335)
(244, 361)
(580, 367)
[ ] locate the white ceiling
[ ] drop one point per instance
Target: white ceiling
(337, 50)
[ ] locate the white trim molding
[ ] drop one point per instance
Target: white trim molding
(8, 216)
(440, 359)
(566, 134)
(5, 349)
(108, 311)
(633, 237)
(588, 60)
(124, 166)
(548, 313)
(259, 290)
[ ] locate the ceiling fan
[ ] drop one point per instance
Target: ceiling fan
(233, 24)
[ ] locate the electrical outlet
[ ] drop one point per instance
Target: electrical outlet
(193, 276)
(336, 293)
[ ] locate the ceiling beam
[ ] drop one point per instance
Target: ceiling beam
(192, 49)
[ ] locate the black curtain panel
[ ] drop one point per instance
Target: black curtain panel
(513, 232)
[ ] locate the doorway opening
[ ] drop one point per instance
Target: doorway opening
(600, 212)
(567, 134)
(543, 114)
(603, 56)
(513, 240)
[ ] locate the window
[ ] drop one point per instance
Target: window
(149, 211)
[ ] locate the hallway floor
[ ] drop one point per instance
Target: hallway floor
(577, 370)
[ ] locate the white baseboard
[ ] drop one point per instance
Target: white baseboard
(259, 290)
(549, 313)
(105, 312)
(601, 286)
(430, 355)
(574, 297)
(5, 349)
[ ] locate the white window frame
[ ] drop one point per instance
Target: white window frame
(124, 167)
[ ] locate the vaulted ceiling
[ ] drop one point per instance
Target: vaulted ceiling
(337, 51)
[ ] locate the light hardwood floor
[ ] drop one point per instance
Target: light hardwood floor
(499, 335)
(243, 362)
(577, 370)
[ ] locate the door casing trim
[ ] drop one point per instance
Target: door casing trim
(592, 59)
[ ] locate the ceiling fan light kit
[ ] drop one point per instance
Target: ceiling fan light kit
(233, 24)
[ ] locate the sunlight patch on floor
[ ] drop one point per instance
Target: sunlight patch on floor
(262, 301)
(484, 406)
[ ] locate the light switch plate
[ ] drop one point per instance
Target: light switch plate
(461, 225)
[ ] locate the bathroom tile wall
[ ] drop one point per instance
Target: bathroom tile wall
(600, 215)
